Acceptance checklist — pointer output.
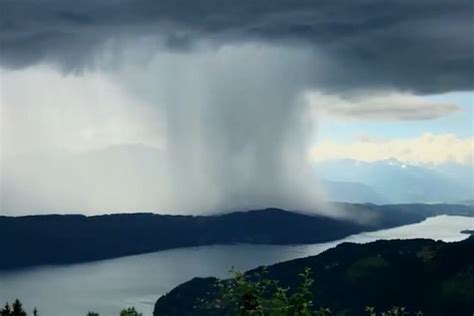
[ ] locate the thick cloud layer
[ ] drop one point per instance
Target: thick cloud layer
(382, 107)
(424, 46)
(230, 124)
(217, 86)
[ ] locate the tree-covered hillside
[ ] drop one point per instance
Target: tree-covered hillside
(422, 275)
(60, 239)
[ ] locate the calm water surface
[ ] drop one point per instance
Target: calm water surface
(110, 285)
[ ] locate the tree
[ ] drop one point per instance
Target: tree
(131, 311)
(5, 311)
(257, 295)
(17, 309)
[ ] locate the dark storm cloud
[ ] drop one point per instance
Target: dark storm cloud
(424, 46)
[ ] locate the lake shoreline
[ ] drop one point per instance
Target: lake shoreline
(108, 286)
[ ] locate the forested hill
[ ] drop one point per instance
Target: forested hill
(59, 239)
(434, 277)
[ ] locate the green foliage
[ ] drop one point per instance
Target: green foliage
(131, 311)
(460, 287)
(365, 266)
(257, 295)
(426, 254)
(394, 311)
(250, 296)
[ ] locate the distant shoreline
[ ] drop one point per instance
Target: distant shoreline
(65, 239)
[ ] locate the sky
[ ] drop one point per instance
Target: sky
(432, 139)
(217, 105)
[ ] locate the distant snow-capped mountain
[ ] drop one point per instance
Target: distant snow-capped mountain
(394, 181)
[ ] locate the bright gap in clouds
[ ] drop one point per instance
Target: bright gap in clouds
(424, 149)
(382, 125)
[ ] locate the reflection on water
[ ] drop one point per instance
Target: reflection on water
(110, 285)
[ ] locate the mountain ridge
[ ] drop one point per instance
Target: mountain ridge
(398, 182)
(64, 239)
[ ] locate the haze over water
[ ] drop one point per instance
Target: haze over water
(110, 285)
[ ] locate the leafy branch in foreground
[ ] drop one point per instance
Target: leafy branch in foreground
(250, 295)
(257, 295)
(394, 311)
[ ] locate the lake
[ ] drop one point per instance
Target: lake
(111, 285)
